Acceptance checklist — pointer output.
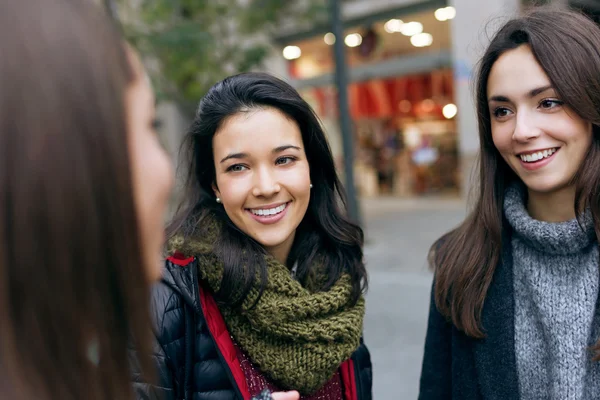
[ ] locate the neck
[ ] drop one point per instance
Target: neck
(552, 207)
(282, 250)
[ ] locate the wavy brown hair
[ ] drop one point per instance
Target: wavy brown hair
(73, 290)
(566, 44)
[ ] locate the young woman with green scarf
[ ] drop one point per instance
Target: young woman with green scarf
(263, 286)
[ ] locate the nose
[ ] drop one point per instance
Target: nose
(265, 183)
(525, 128)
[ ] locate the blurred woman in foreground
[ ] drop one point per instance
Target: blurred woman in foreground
(84, 185)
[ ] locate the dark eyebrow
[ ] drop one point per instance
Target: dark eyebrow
(234, 155)
(245, 155)
(532, 93)
(284, 148)
(542, 89)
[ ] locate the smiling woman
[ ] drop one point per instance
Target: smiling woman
(542, 139)
(514, 308)
(274, 275)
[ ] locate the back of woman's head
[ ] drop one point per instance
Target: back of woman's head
(325, 229)
(72, 285)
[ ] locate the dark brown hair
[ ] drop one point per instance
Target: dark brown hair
(567, 47)
(73, 287)
(325, 235)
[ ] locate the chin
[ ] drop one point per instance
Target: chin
(545, 187)
(272, 239)
(270, 242)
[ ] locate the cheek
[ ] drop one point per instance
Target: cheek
(298, 182)
(502, 138)
(233, 191)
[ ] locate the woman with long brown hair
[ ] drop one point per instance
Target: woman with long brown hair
(84, 185)
(514, 308)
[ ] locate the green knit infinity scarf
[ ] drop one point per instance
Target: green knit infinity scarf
(296, 336)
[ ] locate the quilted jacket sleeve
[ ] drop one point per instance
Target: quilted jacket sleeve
(164, 387)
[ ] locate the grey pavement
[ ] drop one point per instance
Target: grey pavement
(398, 235)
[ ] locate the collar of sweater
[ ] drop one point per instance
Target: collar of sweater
(559, 238)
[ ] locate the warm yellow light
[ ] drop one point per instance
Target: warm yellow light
(449, 111)
(450, 12)
(292, 52)
(421, 40)
(444, 14)
(329, 38)
(353, 40)
(393, 25)
(411, 28)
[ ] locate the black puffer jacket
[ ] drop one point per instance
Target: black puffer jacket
(190, 366)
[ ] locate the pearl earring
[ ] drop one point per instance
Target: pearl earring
(219, 200)
(311, 185)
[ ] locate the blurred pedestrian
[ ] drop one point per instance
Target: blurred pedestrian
(265, 279)
(514, 310)
(84, 185)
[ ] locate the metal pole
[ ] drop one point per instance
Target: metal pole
(341, 80)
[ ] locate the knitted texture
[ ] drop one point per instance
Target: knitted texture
(296, 336)
(556, 315)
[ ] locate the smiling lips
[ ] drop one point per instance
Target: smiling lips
(268, 211)
(537, 156)
(269, 215)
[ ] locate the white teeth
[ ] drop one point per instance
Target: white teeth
(268, 211)
(537, 156)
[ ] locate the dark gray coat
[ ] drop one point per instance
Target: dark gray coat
(459, 367)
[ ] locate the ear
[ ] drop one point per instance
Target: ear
(215, 189)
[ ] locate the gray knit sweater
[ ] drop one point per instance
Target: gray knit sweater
(556, 311)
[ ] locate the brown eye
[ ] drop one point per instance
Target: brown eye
(549, 104)
(501, 112)
(236, 168)
(285, 160)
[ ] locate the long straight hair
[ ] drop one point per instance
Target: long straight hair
(325, 235)
(566, 45)
(73, 287)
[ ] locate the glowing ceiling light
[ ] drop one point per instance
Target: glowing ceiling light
(411, 28)
(393, 25)
(292, 52)
(444, 14)
(353, 40)
(450, 12)
(329, 38)
(449, 111)
(421, 40)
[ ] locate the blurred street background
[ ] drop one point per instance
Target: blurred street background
(391, 82)
(399, 233)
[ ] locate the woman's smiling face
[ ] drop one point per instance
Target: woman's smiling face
(540, 138)
(262, 176)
